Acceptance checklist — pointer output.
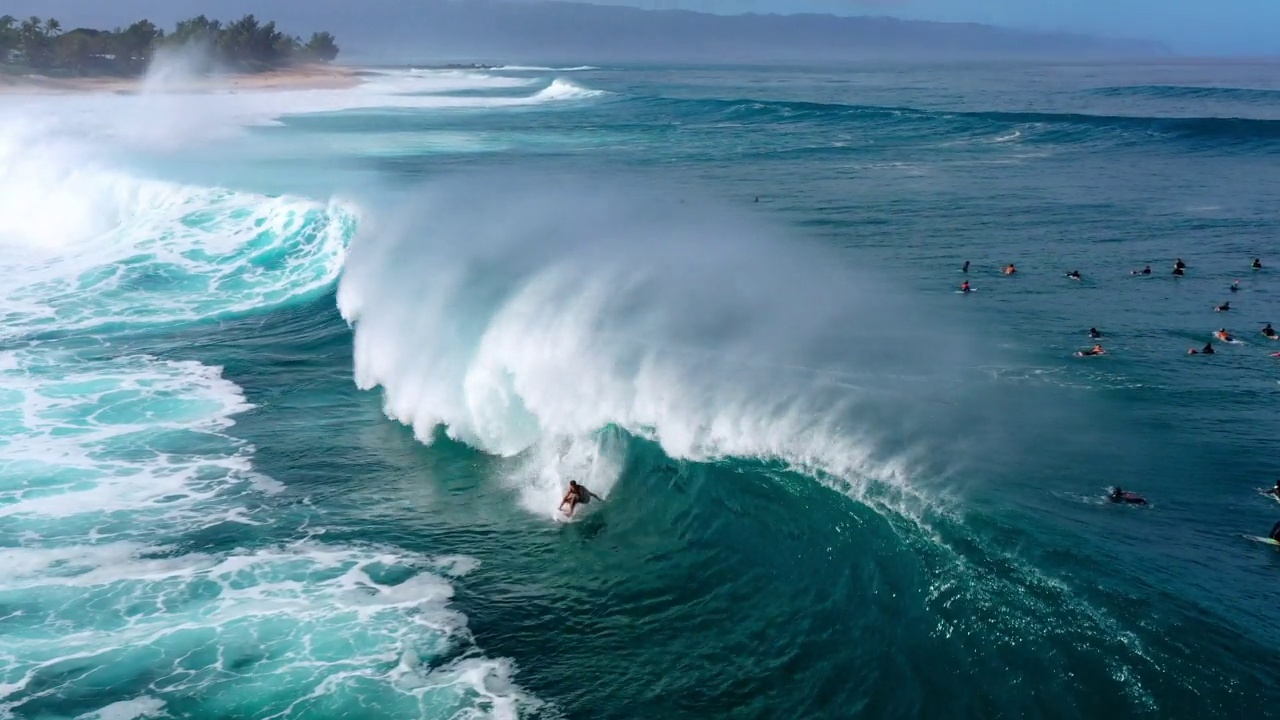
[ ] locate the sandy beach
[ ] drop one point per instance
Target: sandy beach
(302, 77)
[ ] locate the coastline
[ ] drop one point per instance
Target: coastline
(299, 77)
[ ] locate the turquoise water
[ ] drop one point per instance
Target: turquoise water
(293, 383)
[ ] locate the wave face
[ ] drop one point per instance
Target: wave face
(523, 320)
(119, 470)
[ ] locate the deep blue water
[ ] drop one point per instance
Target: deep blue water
(292, 383)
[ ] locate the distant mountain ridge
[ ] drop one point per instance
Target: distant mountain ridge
(493, 29)
(556, 30)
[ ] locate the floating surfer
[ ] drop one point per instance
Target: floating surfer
(1256, 264)
(1206, 350)
(1095, 350)
(1270, 332)
(1074, 274)
(1224, 307)
(1223, 335)
(1010, 269)
(1144, 271)
(1273, 491)
(577, 495)
(965, 269)
(1120, 496)
(964, 287)
(1179, 265)
(1094, 334)
(1235, 286)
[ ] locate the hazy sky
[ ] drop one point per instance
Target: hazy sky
(1192, 26)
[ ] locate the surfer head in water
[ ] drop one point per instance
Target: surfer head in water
(577, 495)
(1224, 307)
(1094, 334)
(1235, 286)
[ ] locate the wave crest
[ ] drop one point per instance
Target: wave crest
(522, 316)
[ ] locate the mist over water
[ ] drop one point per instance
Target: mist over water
(294, 381)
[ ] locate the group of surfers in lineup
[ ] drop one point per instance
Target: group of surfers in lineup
(1119, 495)
(1179, 269)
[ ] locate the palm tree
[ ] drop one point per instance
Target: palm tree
(8, 36)
(52, 28)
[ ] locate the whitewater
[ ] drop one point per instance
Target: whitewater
(294, 380)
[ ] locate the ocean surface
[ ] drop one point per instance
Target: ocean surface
(292, 382)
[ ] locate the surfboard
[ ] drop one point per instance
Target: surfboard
(964, 292)
(1267, 541)
(1271, 495)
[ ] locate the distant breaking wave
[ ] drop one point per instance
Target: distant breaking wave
(539, 68)
(1220, 129)
(1189, 92)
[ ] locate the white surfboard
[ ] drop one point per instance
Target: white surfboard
(1265, 541)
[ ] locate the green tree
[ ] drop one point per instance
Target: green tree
(322, 46)
(8, 36)
(136, 44)
(34, 43)
(74, 50)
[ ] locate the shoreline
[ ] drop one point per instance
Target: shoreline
(300, 77)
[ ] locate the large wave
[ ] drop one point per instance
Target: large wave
(526, 315)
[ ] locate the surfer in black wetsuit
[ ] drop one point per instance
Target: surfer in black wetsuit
(1269, 331)
(965, 269)
(1094, 334)
(1120, 496)
(1235, 286)
(1144, 271)
(1207, 350)
(1224, 307)
(577, 495)
(1074, 274)
(1273, 491)
(1275, 532)
(1179, 265)
(1177, 272)
(1257, 264)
